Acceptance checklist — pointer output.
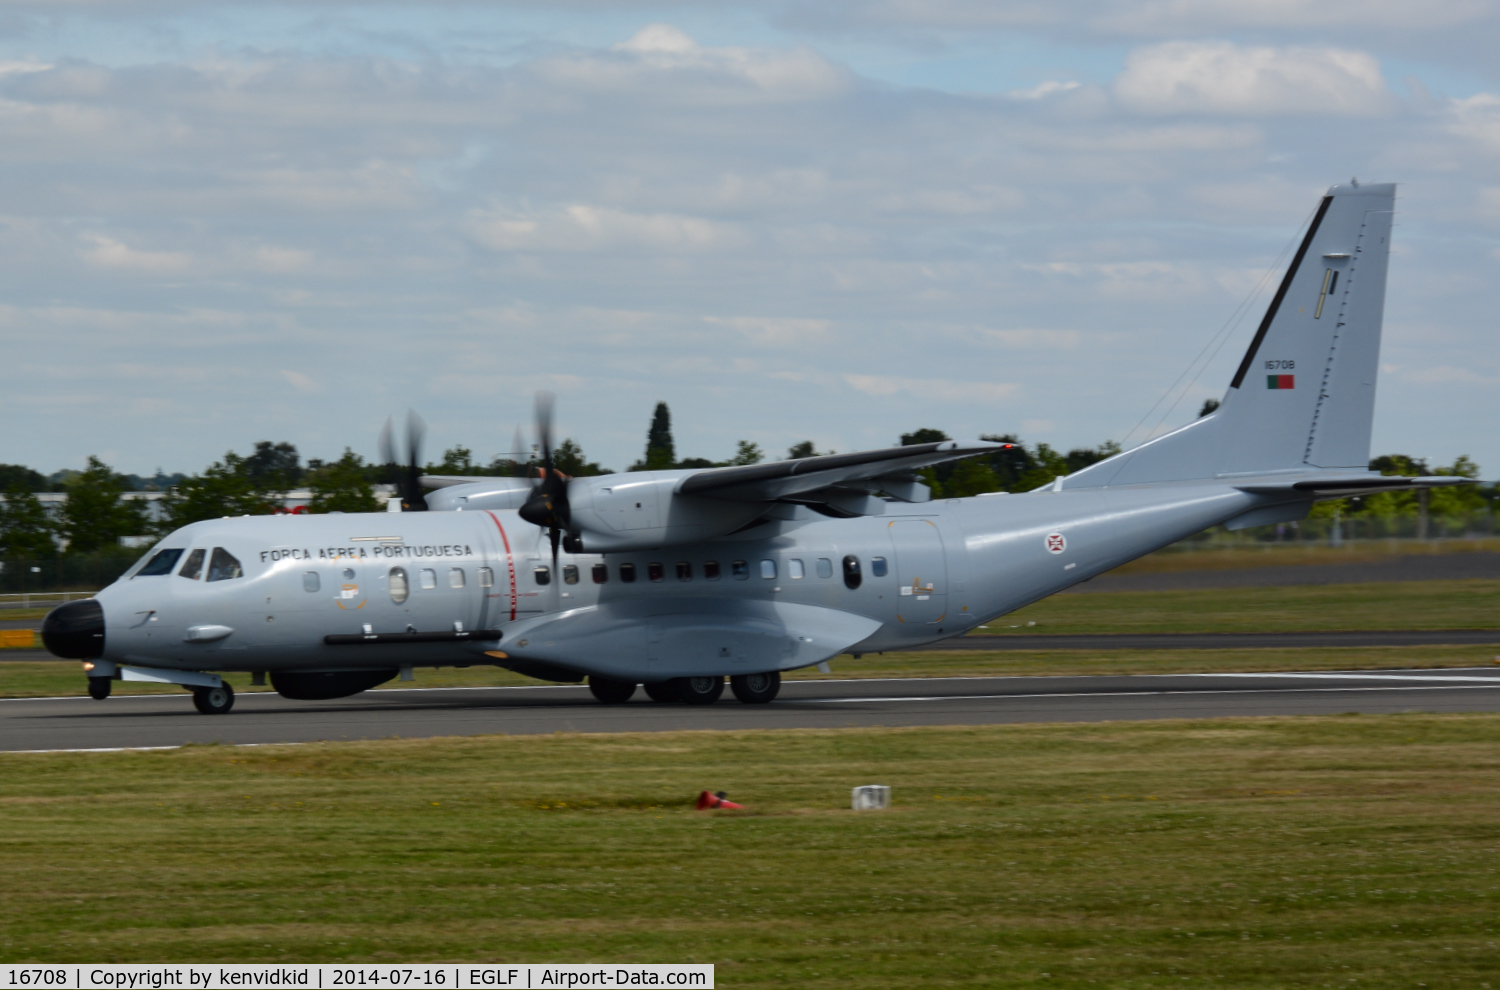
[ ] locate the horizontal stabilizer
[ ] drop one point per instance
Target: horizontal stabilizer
(1344, 487)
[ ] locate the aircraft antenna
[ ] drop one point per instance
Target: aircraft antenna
(1220, 338)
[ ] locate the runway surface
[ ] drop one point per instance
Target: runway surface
(170, 720)
(1218, 641)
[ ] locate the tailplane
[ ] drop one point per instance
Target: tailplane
(1303, 397)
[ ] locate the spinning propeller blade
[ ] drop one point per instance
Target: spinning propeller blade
(548, 505)
(407, 477)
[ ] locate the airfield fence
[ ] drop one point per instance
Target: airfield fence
(61, 574)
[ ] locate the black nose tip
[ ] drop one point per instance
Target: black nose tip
(75, 630)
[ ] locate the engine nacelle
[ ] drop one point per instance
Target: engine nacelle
(613, 513)
(487, 493)
(642, 511)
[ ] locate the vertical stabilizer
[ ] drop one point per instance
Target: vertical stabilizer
(1304, 394)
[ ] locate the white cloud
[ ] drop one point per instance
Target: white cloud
(587, 227)
(775, 331)
(665, 63)
(106, 252)
(301, 382)
(1477, 118)
(1226, 78)
(933, 389)
(1044, 89)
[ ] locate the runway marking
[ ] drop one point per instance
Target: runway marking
(1128, 694)
(1357, 676)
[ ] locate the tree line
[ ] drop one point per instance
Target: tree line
(95, 516)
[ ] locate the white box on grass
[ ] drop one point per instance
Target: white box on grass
(871, 797)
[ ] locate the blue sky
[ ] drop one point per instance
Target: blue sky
(232, 222)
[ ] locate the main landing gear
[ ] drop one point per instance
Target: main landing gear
(214, 700)
(751, 689)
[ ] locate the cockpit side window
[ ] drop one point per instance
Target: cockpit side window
(223, 566)
(192, 568)
(161, 564)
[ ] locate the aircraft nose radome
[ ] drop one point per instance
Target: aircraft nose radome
(75, 630)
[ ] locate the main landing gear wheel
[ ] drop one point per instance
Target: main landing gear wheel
(756, 689)
(610, 691)
(699, 690)
(663, 691)
(213, 700)
(99, 688)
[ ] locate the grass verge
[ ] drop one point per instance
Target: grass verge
(1349, 850)
(1300, 608)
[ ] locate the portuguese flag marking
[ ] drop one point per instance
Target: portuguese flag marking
(1281, 381)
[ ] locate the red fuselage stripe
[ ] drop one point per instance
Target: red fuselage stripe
(510, 563)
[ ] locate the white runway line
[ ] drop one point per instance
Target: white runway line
(1133, 694)
(1356, 676)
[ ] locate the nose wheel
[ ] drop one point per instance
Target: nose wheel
(214, 700)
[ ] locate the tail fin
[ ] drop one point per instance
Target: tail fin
(1304, 395)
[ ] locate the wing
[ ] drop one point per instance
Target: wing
(887, 470)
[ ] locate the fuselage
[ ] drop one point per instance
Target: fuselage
(380, 590)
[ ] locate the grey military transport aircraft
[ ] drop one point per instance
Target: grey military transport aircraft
(677, 580)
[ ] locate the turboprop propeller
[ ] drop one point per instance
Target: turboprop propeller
(407, 476)
(548, 505)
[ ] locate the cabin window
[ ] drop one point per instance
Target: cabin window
(486, 577)
(794, 569)
(455, 577)
(877, 566)
(161, 564)
(570, 574)
(710, 570)
(852, 575)
(223, 566)
(192, 568)
(627, 573)
(655, 571)
(429, 579)
(684, 570)
(825, 567)
(740, 569)
(399, 588)
(601, 573)
(310, 581)
(768, 570)
(348, 574)
(542, 575)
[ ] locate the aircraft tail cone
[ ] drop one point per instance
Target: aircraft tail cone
(710, 801)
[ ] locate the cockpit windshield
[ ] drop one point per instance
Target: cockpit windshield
(160, 564)
(192, 568)
(222, 566)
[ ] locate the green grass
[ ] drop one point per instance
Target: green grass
(1349, 851)
(63, 678)
(1187, 556)
(1301, 608)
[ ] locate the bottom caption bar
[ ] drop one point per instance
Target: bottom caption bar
(518, 976)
